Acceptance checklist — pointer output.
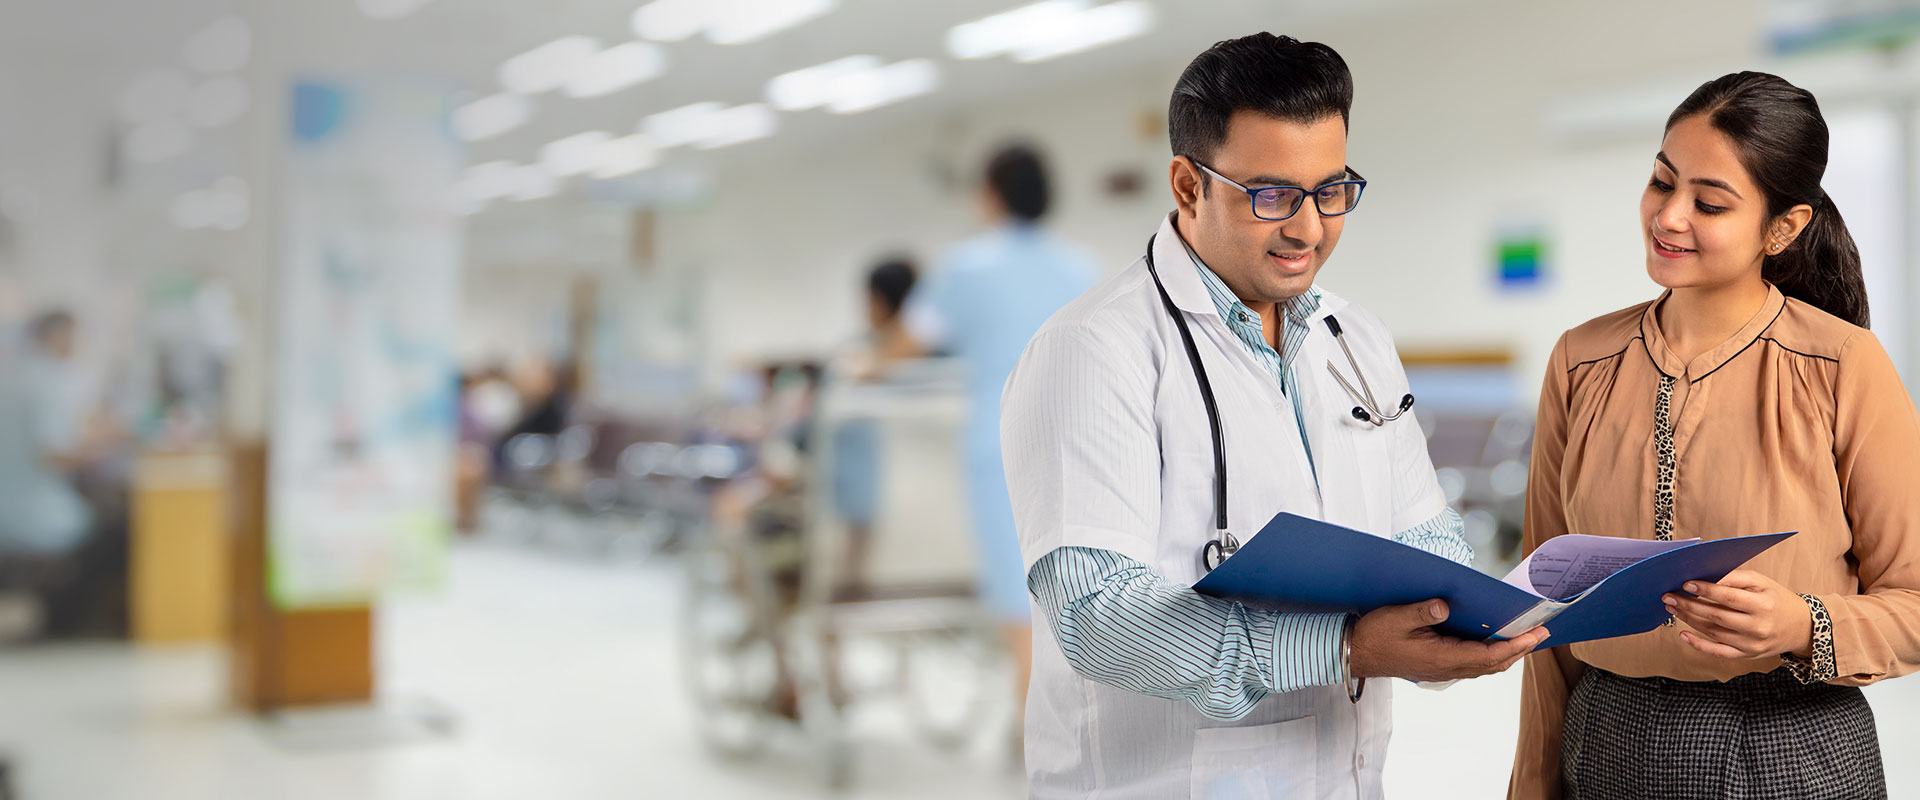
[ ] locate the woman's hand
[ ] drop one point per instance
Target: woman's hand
(1745, 615)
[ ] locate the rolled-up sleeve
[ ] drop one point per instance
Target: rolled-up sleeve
(1121, 623)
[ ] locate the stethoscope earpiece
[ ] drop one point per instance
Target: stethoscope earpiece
(1367, 411)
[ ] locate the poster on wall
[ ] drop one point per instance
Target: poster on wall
(364, 395)
(1520, 254)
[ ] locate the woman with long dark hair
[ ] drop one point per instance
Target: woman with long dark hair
(1748, 398)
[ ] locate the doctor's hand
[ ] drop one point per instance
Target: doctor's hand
(1400, 642)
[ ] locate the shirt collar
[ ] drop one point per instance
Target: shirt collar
(1298, 308)
(1670, 364)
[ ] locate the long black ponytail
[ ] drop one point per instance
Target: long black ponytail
(1782, 141)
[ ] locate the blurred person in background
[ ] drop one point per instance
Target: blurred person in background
(981, 303)
(48, 438)
(1748, 398)
(856, 442)
(548, 394)
(488, 404)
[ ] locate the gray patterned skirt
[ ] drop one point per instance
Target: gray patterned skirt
(1763, 735)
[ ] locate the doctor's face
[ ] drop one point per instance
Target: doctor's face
(1263, 261)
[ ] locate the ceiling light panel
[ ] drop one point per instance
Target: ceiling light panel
(1050, 29)
(852, 84)
(548, 66)
(724, 21)
(491, 116)
(616, 68)
(710, 125)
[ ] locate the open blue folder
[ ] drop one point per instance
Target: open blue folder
(1301, 564)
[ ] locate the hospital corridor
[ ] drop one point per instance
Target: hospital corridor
(474, 399)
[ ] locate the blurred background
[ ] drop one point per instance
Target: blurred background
(473, 399)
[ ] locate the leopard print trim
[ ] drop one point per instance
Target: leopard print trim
(1664, 453)
(1822, 667)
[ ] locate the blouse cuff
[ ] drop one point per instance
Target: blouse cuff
(1821, 667)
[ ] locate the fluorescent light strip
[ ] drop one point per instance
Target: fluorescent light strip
(852, 84)
(814, 86)
(491, 116)
(1095, 27)
(1049, 29)
(625, 156)
(616, 68)
(574, 154)
(889, 84)
(548, 66)
(724, 21)
(743, 123)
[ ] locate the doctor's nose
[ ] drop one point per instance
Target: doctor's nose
(1305, 227)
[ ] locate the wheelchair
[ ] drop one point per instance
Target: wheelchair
(785, 627)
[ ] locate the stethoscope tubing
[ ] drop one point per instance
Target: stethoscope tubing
(1224, 544)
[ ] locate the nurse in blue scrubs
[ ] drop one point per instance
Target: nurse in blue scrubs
(981, 303)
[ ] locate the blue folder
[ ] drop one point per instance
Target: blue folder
(1301, 564)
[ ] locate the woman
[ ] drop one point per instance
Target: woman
(1749, 398)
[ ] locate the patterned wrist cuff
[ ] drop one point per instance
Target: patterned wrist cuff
(1821, 667)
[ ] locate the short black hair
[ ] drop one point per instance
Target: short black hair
(1018, 176)
(46, 323)
(891, 281)
(1279, 76)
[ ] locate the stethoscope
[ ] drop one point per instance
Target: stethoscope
(1223, 544)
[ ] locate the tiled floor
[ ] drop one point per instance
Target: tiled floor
(561, 676)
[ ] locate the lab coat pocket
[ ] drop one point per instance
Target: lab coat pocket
(1260, 762)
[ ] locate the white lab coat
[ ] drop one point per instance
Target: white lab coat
(1107, 446)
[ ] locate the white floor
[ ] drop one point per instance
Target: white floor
(561, 674)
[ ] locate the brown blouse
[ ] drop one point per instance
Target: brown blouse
(1797, 423)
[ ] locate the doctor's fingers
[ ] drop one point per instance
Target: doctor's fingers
(1467, 659)
(1512, 650)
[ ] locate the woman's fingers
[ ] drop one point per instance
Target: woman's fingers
(1710, 647)
(1718, 633)
(1739, 599)
(1747, 580)
(1694, 609)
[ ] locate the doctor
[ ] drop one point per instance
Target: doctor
(1142, 687)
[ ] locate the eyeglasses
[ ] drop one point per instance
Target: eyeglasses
(1276, 203)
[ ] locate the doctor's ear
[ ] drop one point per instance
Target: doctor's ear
(1187, 183)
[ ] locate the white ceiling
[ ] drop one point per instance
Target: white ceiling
(63, 63)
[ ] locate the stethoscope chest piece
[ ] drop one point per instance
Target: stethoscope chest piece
(1217, 550)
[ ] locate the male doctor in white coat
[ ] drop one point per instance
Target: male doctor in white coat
(1143, 688)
